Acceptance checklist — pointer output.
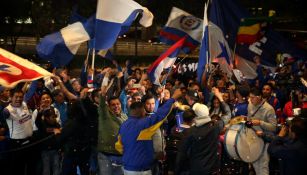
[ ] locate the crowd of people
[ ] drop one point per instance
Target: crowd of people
(114, 121)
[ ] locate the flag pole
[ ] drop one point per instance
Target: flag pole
(169, 71)
(93, 62)
(86, 59)
(208, 61)
(234, 55)
(185, 56)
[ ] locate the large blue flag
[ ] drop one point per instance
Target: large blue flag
(204, 49)
(114, 17)
(60, 47)
(227, 16)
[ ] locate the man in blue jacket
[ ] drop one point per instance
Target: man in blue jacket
(135, 136)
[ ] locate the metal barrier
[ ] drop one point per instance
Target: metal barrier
(27, 45)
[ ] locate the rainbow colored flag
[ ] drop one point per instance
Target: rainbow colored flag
(249, 31)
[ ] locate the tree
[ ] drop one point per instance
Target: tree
(13, 17)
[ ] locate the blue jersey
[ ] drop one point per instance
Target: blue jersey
(240, 109)
(135, 138)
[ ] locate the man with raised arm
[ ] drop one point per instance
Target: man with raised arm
(135, 136)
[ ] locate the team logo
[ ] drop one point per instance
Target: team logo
(189, 22)
(9, 69)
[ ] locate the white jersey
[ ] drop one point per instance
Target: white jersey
(19, 122)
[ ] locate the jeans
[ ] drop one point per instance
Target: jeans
(51, 162)
(148, 172)
(93, 162)
(107, 167)
(261, 166)
(76, 159)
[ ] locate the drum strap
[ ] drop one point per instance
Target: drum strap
(258, 109)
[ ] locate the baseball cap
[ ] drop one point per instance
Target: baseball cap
(193, 94)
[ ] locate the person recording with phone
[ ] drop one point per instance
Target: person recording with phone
(290, 146)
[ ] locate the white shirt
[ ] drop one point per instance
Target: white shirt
(19, 122)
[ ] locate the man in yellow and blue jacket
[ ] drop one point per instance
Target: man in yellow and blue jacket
(135, 136)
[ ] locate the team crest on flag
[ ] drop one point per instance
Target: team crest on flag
(189, 22)
(181, 24)
(14, 69)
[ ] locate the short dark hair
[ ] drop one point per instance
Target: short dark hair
(171, 82)
(95, 93)
(147, 97)
(137, 69)
(270, 85)
(56, 92)
(298, 126)
(112, 98)
(136, 94)
(193, 84)
(44, 93)
(49, 112)
(188, 115)
(255, 91)
(15, 90)
(136, 105)
(243, 90)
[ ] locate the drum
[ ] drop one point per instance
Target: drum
(242, 143)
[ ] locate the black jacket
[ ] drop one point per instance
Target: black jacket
(44, 133)
(80, 131)
(293, 155)
(199, 149)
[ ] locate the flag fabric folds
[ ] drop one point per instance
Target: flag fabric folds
(227, 17)
(105, 54)
(180, 24)
(14, 69)
(114, 17)
(204, 49)
(60, 47)
(165, 61)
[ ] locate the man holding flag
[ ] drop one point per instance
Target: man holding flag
(14, 70)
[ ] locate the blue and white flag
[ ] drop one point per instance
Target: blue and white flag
(204, 49)
(180, 24)
(114, 17)
(165, 61)
(219, 49)
(60, 47)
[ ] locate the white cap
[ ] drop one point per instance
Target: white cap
(202, 114)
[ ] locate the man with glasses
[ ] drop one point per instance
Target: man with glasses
(263, 118)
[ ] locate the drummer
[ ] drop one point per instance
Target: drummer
(263, 119)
